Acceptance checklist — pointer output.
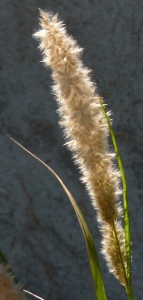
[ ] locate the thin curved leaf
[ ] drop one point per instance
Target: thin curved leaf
(92, 254)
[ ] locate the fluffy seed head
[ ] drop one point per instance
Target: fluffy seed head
(82, 119)
(84, 124)
(8, 290)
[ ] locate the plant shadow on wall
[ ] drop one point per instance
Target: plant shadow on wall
(86, 126)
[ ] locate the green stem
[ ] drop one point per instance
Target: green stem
(129, 290)
(125, 199)
(120, 254)
(130, 293)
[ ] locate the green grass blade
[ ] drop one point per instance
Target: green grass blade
(3, 260)
(125, 199)
(92, 254)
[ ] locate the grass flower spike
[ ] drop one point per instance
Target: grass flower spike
(86, 132)
(8, 290)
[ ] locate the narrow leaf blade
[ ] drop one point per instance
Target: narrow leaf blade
(92, 253)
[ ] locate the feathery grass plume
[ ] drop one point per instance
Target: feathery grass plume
(86, 131)
(8, 290)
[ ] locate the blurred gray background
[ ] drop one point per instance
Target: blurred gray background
(39, 232)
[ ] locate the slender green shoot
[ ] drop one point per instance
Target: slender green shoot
(120, 254)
